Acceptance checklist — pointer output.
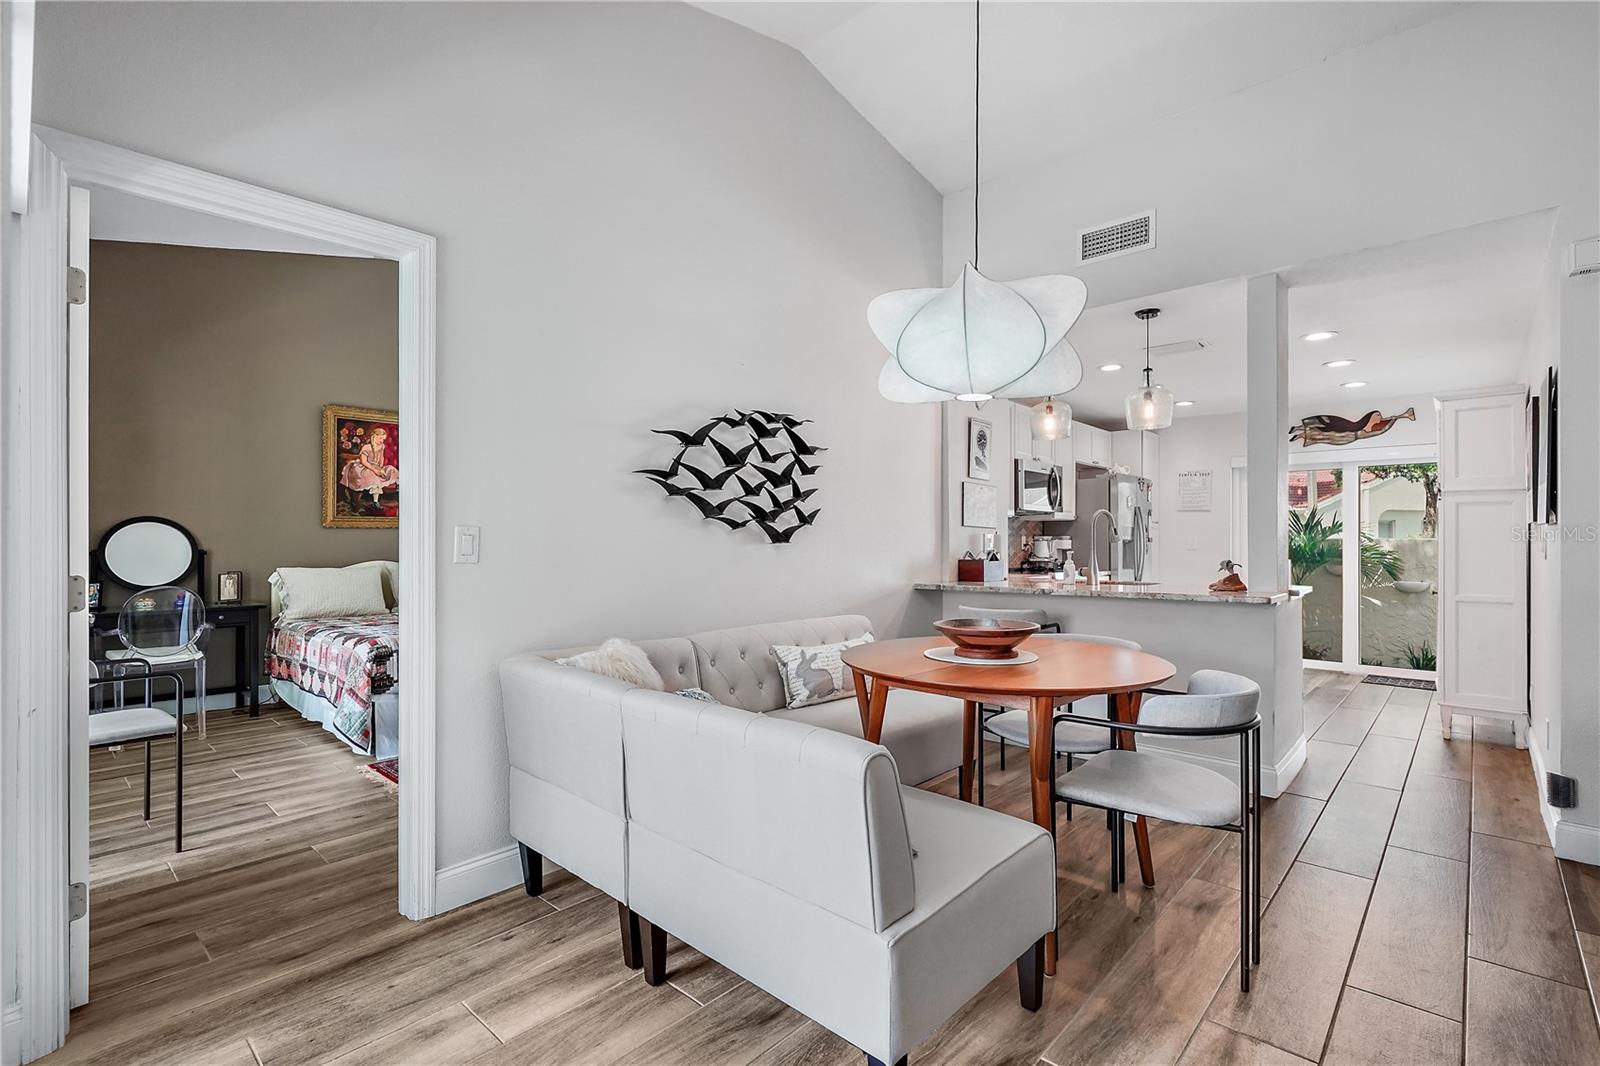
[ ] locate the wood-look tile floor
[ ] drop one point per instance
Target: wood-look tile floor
(1416, 915)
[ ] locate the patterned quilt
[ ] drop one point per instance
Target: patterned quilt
(345, 661)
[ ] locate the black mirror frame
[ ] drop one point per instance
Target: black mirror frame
(197, 554)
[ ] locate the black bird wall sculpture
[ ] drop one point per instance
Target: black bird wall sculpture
(724, 483)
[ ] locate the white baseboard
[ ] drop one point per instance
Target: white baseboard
(11, 1034)
(1571, 840)
(467, 882)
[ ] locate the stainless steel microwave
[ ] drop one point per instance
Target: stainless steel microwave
(1039, 487)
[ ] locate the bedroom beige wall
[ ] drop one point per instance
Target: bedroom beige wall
(208, 371)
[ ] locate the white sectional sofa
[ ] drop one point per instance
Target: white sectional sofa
(778, 843)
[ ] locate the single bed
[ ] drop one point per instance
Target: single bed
(342, 671)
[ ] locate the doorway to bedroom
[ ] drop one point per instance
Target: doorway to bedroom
(243, 473)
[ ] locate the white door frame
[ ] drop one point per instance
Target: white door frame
(44, 834)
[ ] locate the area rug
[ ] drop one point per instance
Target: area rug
(385, 772)
(1398, 682)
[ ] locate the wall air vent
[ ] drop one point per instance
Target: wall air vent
(1584, 258)
(1178, 348)
(1133, 234)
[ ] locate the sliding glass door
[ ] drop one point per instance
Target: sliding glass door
(1399, 615)
(1316, 555)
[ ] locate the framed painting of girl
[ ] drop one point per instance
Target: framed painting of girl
(360, 468)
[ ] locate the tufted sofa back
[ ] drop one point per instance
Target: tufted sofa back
(736, 665)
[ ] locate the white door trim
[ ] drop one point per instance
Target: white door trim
(94, 163)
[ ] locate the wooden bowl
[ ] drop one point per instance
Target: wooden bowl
(986, 638)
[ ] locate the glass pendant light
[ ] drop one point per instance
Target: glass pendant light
(1050, 420)
(1149, 407)
(979, 338)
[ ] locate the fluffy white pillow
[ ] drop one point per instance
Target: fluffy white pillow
(329, 591)
(620, 659)
(815, 674)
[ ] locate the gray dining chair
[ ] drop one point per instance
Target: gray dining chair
(1039, 618)
(1122, 782)
(132, 725)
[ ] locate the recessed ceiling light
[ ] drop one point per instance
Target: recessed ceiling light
(1184, 403)
(1111, 366)
(1335, 364)
(1353, 385)
(1320, 335)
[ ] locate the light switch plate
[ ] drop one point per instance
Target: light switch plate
(466, 544)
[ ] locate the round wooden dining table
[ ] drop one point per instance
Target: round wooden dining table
(1066, 669)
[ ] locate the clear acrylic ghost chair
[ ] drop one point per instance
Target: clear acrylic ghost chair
(163, 627)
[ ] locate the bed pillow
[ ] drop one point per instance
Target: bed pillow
(814, 674)
(329, 591)
(620, 659)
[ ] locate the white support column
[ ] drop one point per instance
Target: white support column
(1266, 566)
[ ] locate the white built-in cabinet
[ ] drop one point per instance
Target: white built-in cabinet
(1091, 445)
(1483, 556)
(1024, 445)
(1137, 449)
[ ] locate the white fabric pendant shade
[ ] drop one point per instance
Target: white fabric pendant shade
(979, 338)
(1150, 407)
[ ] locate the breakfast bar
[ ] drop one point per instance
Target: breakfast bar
(1255, 634)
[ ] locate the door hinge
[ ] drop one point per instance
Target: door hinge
(77, 286)
(77, 900)
(77, 594)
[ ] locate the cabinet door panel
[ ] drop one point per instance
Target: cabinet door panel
(1483, 601)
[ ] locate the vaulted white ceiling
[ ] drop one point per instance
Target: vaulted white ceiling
(1056, 76)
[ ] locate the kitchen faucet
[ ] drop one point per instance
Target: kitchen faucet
(1111, 534)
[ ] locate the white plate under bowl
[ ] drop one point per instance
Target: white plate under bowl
(948, 655)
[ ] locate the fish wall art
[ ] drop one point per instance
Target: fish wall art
(743, 469)
(1331, 429)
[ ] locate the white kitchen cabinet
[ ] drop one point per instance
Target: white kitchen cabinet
(1091, 445)
(1024, 445)
(1483, 557)
(1138, 450)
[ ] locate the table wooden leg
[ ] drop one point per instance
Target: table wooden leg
(1125, 705)
(1041, 751)
(861, 697)
(876, 701)
(969, 768)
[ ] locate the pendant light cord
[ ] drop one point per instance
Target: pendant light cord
(977, 78)
(1147, 352)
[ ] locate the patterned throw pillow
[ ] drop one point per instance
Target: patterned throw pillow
(815, 674)
(697, 694)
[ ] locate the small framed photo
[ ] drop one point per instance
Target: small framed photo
(94, 595)
(980, 435)
(230, 586)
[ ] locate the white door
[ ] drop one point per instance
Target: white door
(78, 564)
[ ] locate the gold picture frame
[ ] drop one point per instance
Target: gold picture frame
(360, 467)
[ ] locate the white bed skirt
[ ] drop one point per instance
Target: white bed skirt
(385, 717)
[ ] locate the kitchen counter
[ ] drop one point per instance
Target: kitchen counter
(1038, 585)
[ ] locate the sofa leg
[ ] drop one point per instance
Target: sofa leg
(1030, 976)
(654, 942)
(532, 870)
(901, 1061)
(632, 939)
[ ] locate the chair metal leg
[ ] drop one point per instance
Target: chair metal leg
(981, 759)
(147, 780)
(1122, 849)
(1245, 906)
(177, 779)
(1116, 849)
(1069, 802)
(1255, 842)
(200, 691)
(1002, 753)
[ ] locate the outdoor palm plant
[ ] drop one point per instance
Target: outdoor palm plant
(1315, 541)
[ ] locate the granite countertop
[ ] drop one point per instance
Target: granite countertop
(1031, 585)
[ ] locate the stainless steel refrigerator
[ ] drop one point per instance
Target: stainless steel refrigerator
(1126, 555)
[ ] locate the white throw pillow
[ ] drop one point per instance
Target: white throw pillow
(620, 659)
(815, 674)
(329, 591)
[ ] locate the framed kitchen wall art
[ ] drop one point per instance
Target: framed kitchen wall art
(360, 468)
(980, 506)
(980, 435)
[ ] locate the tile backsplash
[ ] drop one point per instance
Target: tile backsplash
(1019, 537)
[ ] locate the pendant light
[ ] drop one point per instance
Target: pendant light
(979, 338)
(1050, 420)
(1151, 406)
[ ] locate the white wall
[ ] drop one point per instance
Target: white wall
(646, 215)
(1192, 542)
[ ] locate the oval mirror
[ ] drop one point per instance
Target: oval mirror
(146, 552)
